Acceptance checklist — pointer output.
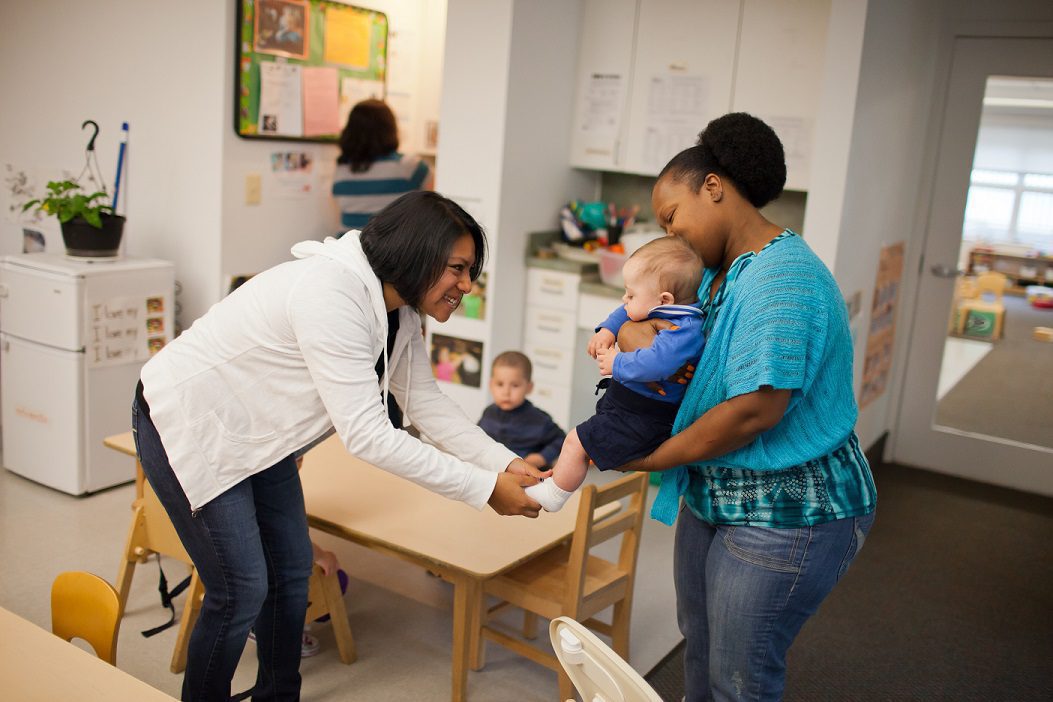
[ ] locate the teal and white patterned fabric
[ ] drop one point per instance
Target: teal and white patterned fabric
(777, 320)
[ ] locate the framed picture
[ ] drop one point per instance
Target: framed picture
(455, 360)
(282, 28)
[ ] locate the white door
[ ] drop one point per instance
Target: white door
(920, 440)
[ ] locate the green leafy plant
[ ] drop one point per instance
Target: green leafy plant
(66, 200)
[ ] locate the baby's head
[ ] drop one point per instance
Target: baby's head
(661, 272)
(510, 379)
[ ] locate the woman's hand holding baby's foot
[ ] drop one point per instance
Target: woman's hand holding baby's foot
(549, 495)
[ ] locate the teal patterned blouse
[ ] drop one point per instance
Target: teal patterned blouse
(777, 320)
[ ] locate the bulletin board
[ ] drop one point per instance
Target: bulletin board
(303, 64)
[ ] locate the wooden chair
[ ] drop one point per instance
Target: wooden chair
(569, 581)
(151, 532)
(991, 283)
(84, 606)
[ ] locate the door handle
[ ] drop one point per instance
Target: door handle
(943, 271)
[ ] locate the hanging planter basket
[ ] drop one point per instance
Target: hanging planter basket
(84, 240)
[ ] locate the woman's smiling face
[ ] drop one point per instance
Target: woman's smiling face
(445, 295)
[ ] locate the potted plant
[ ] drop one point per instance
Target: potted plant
(89, 226)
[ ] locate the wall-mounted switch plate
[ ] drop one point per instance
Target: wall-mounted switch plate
(252, 189)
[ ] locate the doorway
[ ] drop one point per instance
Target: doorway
(978, 393)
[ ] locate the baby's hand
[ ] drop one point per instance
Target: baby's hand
(606, 360)
(600, 341)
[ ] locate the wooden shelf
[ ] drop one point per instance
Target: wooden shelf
(1022, 271)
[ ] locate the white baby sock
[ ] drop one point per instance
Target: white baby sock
(551, 496)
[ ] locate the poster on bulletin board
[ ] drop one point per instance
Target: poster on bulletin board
(303, 64)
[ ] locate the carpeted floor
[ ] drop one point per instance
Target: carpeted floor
(950, 599)
(1009, 393)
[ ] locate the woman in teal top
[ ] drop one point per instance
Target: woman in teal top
(778, 496)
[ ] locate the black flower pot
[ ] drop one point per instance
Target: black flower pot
(82, 239)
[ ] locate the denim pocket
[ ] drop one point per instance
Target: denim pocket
(775, 549)
(860, 529)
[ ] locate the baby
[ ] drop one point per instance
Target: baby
(635, 414)
(512, 419)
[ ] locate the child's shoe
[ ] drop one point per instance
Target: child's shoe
(309, 647)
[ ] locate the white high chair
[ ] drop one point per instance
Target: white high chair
(598, 673)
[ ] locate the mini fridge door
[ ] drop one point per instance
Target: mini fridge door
(43, 397)
(42, 306)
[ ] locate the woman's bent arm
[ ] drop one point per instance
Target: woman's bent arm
(730, 425)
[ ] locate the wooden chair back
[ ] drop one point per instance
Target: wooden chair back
(591, 531)
(569, 581)
(84, 606)
(992, 283)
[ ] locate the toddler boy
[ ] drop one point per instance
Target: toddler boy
(636, 413)
(512, 420)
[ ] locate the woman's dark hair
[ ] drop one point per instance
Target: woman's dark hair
(408, 243)
(370, 133)
(737, 147)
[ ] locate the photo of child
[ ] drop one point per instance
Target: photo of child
(281, 28)
(456, 360)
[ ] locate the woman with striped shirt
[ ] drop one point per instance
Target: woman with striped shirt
(370, 172)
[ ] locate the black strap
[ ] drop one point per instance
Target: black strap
(166, 598)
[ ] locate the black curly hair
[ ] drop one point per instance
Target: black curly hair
(737, 147)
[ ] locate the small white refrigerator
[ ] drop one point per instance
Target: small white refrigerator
(74, 335)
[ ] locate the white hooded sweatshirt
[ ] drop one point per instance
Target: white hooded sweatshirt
(291, 354)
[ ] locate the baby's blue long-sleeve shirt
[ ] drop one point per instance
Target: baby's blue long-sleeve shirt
(671, 349)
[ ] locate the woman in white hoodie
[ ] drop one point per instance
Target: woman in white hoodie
(304, 348)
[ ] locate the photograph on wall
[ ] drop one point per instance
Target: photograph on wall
(877, 363)
(281, 28)
(456, 360)
(473, 304)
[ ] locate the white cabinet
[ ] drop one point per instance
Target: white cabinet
(560, 319)
(549, 338)
(682, 73)
(652, 73)
(605, 64)
(781, 52)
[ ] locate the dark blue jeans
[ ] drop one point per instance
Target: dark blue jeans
(252, 551)
(743, 593)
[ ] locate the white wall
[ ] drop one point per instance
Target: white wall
(168, 70)
(508, 85)
(874, 154)
(256, 237)
(884, 167)
(154, 65)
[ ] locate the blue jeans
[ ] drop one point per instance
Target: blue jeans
(743, 593)
(252, 551)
